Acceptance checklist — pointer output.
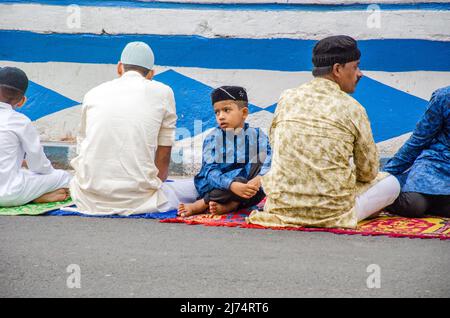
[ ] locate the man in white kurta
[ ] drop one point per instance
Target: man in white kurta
(126, 125)
(19, 141)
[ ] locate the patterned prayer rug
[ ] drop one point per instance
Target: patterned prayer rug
(35, 208)
(55, 209)
(384, 224)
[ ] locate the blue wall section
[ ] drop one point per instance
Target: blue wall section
(237, 6)
(193, 102)
(43, 101)
(391, 112)
(194, 51)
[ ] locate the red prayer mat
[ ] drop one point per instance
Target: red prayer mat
(384, 224)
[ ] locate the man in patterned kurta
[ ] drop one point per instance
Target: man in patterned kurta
(325, 163)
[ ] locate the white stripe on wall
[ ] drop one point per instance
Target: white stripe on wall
(74, 80)
(397, 24)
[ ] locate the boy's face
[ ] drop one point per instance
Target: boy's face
(229, 115)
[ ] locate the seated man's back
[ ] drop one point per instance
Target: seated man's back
(124, 121)
(312, 175)
(316, 133)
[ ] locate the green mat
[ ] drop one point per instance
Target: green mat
(35, 208)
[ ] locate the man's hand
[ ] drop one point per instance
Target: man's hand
(162, 161)
(256, 181)
(243, 190)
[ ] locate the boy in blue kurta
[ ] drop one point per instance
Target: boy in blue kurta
(235, 156)
(422, 164)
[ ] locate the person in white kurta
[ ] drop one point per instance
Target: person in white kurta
(19, 141)
(124, 123)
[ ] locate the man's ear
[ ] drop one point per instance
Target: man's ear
(245, 112)
(22, 101)
(150, 74)
(120, 69)
(336, 71)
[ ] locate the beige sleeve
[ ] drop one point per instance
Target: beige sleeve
(276, 118)
(166, 135)
(365, 153)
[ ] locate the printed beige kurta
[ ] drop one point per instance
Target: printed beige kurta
(324, 155)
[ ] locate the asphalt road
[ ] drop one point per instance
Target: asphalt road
(145, 258)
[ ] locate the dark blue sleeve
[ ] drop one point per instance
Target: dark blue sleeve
(211, 156)
(426, 130)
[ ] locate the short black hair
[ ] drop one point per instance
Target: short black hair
(241, 103)
(10, 95)
(141, 70)
(321, 71)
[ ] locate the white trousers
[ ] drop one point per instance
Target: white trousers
(36, 185)
(178, 191)
(378, 197)
(175, 191)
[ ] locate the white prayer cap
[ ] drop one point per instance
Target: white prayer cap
(139, 54)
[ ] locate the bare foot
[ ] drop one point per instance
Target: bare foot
(55, 196)
(188, 209)
(218, 209)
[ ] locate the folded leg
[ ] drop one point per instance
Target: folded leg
(440, 205)
(178, 191)
(36, 185)
(417, 205)
(226, 196)
(377, 197)
(410, 205)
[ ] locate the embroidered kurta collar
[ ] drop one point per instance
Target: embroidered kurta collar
(326, 82)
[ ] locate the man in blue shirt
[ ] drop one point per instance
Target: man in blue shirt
(422, 164)
(235, 156)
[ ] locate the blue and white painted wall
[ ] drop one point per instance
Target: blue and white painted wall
(67, 47)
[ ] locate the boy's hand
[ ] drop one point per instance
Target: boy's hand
(243, 190)
(256, 181)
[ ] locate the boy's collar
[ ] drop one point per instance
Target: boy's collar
(5, 105)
